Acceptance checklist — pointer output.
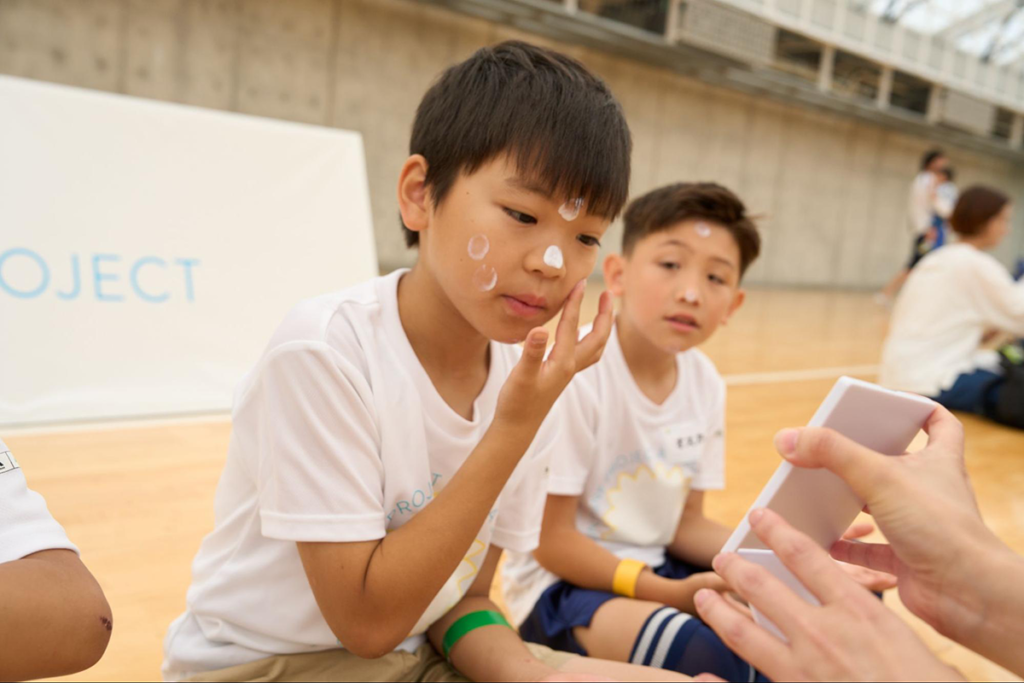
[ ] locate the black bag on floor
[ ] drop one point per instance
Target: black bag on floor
(1010, 406)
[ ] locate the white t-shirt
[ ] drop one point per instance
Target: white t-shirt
(949, 302)
(338, 436)
(631, 462)
(26, 526)
(922, 202)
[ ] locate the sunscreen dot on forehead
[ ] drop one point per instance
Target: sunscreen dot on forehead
(704, 230)
(570, 211)
(478, 247)
(692, 296)
(553, 257)
(485, 278)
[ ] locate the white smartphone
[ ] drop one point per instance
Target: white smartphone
(817, 502)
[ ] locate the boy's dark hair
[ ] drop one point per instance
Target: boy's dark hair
(929, 157)
(670, 205)
(976, 207)
(558, 123)
(950, 174)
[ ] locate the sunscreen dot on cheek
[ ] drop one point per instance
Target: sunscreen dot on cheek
(553, 257)
(570, 211)
(478, 247)
(692, 296)
(485, 278)
(704, 230)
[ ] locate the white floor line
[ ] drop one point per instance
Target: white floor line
(110, 425)
(801, 375)
(219, 417)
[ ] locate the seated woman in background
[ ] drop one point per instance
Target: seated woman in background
(951, 303)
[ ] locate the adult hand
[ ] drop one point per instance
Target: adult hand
(869, 578)
(952, 571)
(852, 636)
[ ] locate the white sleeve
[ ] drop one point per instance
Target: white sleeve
(26, 526)
(573, 454)
(712, 464)
(320, 475)
(1000, 300)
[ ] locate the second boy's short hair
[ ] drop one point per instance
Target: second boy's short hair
(558, 123)
(670, 205)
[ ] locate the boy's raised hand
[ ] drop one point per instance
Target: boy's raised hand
(536, 382)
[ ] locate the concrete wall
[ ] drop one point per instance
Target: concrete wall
(833, 190)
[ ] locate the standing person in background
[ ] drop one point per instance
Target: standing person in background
(922, 210)
(949, 306)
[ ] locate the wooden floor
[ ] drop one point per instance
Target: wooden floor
(137, 500)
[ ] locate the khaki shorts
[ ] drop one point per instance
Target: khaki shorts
(340, 665)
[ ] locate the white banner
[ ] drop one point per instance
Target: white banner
(148, 250)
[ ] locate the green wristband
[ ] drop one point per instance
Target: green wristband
(467, 623)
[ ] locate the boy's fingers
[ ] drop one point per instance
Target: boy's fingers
(708, 678)
(567, 334)
(590, 348)
(876, 556)
(762, 650)
(716, 583)
(533, 351)
(863, 469)
(802, 556)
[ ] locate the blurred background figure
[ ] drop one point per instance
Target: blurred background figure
(955, 303)
(928, 210)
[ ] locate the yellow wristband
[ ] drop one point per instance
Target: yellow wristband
(626, 576)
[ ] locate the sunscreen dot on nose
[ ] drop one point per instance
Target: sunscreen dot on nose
(704, 230)
(478, 247)
(692, 296)
(485, 278)
(553, 257)
(570, 211)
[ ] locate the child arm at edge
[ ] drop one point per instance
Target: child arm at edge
(56, 620)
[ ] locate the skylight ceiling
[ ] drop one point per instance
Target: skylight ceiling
(987, 28)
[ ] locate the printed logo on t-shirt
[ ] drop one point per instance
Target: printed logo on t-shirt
(643, 491)
(406, 508)
(641, 503)
(683, 445)
(7, 462)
